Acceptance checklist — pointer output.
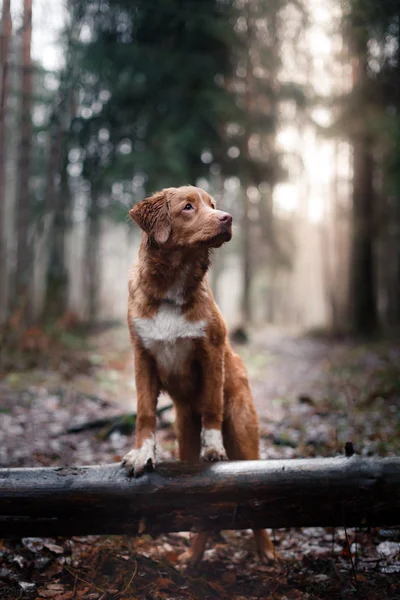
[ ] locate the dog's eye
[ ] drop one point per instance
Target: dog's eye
(212, 205)
(188, 206)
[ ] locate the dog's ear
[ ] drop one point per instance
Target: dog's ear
(152, 215)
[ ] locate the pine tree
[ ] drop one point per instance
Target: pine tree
(371, 118)
(23, 276)
(58, 197)
(154, 101)
(164, 65)
(5, 37)
(254, 157)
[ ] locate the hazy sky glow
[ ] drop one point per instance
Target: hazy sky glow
(48, 21)
(49, 18)
(316, 153)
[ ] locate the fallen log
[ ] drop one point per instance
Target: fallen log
(183, 497)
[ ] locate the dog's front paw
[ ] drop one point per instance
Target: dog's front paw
(212, 447)
(213, 455)
(142, 459)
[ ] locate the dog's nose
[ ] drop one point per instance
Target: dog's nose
(225, 218)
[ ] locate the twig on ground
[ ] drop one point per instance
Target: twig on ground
(131, 579)
(353, 567)
(83, 580)
(124, 423)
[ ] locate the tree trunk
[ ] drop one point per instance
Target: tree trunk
(217, 266)
(397, 259)
(363, 288)
(56, 298)
(92, 253)
(333, 492)
(246, 261)
(5, 33)
(23, 205)
(246, 223)
(216, 272)
(362, 272)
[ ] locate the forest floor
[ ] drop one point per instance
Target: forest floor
(312, 395)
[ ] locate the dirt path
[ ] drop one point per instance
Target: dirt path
(281, 364)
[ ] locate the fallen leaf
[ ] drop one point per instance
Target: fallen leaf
(54, 548)
(320, 578)
(47, 593)
(229, 577)
(388, 548)
(54, 569)
(346, 553)
(55, 586)
(216, 587)
(33, 544)
(294, 595)
(27, 586)
(163, 583)
(172, 556)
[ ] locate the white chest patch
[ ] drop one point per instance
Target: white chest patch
(169, 335)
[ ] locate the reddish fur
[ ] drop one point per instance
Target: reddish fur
(211, 388)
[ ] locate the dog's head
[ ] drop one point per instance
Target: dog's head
(183, 217)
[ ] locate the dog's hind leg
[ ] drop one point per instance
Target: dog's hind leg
(264, 546)
(197, 548)
(241, 440)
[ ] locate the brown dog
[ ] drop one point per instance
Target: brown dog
(180, 341)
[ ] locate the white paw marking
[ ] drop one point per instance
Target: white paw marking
(139, 459)
(212, 446)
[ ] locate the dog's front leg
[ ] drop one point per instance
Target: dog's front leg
(143, 456)
(212, 405)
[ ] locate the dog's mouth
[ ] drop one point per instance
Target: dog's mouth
(218, 239)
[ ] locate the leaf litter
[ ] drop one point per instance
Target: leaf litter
(313, 395)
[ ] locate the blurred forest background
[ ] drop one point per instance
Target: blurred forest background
(287, 111)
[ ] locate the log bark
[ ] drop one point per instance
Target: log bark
(188, 497)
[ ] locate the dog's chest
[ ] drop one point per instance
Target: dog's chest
(169, 336)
